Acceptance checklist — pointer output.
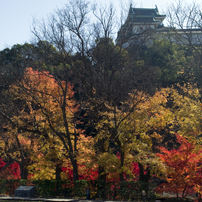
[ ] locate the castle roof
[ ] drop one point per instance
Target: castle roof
(138, 21)
(145, 15)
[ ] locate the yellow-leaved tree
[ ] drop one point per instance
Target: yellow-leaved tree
(186, 106)
(47, 111)
(130, 129)
(139, 125)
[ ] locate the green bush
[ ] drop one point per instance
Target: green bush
(53, 188)
(110, 190)
(7, 187)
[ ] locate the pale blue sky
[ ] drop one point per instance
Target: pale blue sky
(16, 16)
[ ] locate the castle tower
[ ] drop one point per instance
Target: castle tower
(138, 21)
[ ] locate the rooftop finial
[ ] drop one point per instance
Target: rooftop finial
(131, 9)
(156, 8)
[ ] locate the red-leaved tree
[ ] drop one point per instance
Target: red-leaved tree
(11, 172)
(183, 168)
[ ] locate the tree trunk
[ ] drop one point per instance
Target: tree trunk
(122, 164)
(144, 177)
(75, 169)
(57, 172)
(101, 182)
(24, 172)
(101, 176)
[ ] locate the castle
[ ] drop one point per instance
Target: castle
(143, 25)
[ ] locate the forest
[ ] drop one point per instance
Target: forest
(74, 105)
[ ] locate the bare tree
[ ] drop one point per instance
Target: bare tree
(185, 21)
(99, 69)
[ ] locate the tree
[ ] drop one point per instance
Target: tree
(185, 104)
(12, 171)
(185, 23)
(169, 59)
(18, 148)
(183, 168)
(131, 129)
(99, 68)
(86, 50)
(139, 132)
(48, 111)
(48, 160)
(14, 61)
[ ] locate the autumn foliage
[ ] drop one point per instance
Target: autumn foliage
(183, 168)
(12, 172)
(42, 140)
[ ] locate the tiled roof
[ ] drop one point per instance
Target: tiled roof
(144, 14)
